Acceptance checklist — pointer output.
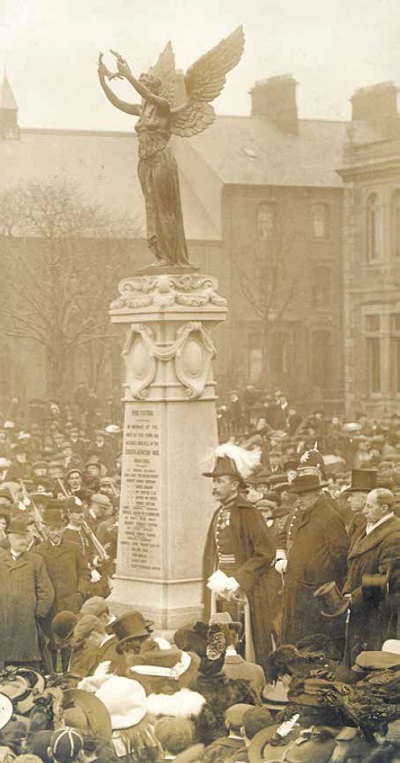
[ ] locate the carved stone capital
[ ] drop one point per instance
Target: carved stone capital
(165, 291)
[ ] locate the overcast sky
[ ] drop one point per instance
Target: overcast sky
(50, 49)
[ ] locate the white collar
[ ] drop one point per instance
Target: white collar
(371, 527)
(231, 651)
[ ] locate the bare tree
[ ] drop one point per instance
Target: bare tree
(269, 276)
(62, 257)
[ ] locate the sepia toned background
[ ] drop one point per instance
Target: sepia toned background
(292, 197)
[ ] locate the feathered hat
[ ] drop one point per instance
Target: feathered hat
(234, 461)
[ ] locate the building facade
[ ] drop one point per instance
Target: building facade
(371, 275)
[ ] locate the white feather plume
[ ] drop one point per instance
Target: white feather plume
(244, 460)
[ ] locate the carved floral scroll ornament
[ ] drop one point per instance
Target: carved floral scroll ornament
(192, 351)
(162, 291)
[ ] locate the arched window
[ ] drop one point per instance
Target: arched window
(396, 223)
(373, 228)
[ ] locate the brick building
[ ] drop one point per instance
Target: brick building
(371, 173)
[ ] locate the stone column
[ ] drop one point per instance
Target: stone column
(170, 432)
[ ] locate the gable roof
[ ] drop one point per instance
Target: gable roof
(254, 151)
(103, 165)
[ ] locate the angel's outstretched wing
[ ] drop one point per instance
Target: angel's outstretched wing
(164, 69)
(204, 81)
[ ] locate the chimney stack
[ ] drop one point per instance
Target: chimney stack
(275, 98)
(375, 103)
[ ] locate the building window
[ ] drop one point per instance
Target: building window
(373, 227)
(373, 344)
(321, 287)
(319, 218)
(266, 220)
(395, 352)
(255, 357)
(321, 358)
(279, 355)
(396, 223)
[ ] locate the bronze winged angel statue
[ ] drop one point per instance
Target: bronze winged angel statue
(158, 120)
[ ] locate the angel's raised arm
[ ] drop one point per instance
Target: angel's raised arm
(128, 108)
(139, 86)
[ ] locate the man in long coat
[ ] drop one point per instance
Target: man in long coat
(26, 595)
(374, 600)
(67, 569)
(315, 553)
(240, 545)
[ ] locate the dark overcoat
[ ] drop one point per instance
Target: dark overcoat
(372, 615)
(317, 554)
(70, 577)
(26, 594)
(254, 550)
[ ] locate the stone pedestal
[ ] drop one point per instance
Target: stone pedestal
(170, 433)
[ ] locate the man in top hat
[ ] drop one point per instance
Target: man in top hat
(362, 482)
(373, 578)
(239, 545)
(314, 552)
(66, 567)
(26, 595)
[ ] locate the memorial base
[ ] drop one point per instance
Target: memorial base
(170, 433)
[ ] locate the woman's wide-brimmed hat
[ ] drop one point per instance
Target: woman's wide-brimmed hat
(125, 700)
(333, 603)
(87, 713)
(6, 710)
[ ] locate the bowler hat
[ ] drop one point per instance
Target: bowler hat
(332, 601)
(363, 480)
(129, 626)
(305, 483)
(225, 466)
(63, 624)
(20, 525)
(53, 517)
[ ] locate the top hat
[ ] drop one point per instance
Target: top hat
(129, 626)
(332, 601)
(225, 466)
(363, 480)
(305, 483)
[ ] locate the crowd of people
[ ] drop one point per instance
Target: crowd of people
(297, 655)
